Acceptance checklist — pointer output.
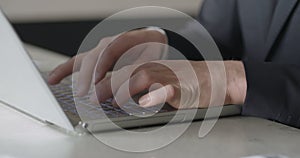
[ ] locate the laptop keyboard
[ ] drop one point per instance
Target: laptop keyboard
(64, 95)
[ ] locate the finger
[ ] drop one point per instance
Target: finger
(158, 96)
(105, 90)
(153, 51)
(88, 66)
(130, 56)
(65, 69)
(137, 83)
(111, 54)
(85, 74)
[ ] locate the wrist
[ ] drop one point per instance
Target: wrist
(236, 82)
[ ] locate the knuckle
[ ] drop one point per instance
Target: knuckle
(105, 40)
(109, 52)
(124, 69)
(89, 57)
(73, 59)
(126, 35)
(157, 36)
(131, 35)
(122, 37)
(77, 58)
(171, 92)
(145, 76)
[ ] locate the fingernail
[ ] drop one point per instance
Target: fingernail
(144, 101)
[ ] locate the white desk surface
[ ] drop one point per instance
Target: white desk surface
(233, 137)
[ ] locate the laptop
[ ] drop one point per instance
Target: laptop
(23, 88)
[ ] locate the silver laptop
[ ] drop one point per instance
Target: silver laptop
(23, 87)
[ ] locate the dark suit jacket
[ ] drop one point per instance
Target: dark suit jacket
(265, 35)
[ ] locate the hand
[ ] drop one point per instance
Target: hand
(167, 87)
(110, 49)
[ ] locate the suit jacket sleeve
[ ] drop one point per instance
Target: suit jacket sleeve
(273, 89)
(273, 92)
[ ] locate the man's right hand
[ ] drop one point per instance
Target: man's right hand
(103, 57)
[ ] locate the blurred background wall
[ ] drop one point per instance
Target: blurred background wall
(61, 25)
